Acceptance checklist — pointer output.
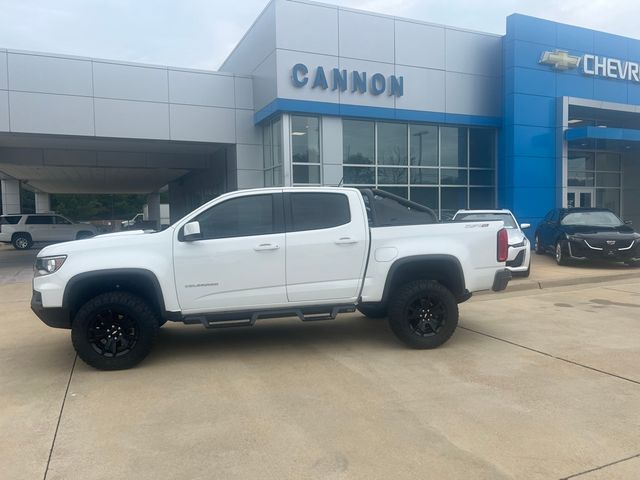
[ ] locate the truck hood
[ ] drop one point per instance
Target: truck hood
(111, 241)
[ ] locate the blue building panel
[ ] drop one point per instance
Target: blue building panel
(574, 38)
(531, 29)
(532, 110)
(610, 45)
(532, 81)
(534, 141)
(610, 90)
(532, 172)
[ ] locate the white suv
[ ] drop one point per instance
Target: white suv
(23, 230)
(519, 259)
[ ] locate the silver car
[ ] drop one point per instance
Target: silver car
(519, 260)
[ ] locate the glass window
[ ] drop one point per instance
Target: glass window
(453, 199)
(603, 218)
(313, 211)
(277, 142)
(359, 175)
(10, 219)
(580, 179)
(62, 221)
(305, 139)
(39, 220)
(306, 174)
(481, 147)
(394, 176)
(267, 143)
(399, 191)
(453, 147)
(427, 196)
(481, 198)
(238, 217)
(608, 198)
(358, 142)
(452, 176)
(607, 179)
(424, 176)
(272, 153)
(392, 143)
(506, 218)
(608, 161)
(481, 177)
(424, 145)
(580, 161)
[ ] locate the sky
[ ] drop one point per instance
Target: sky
(201, 33)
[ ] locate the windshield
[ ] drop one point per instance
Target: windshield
(509, 221)
(596, 219)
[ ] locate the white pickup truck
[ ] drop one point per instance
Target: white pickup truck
(309, 253)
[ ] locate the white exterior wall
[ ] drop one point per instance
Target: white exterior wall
(445, 70)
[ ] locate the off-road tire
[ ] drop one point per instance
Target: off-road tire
(22, 241)
(373, 311)
(405, 318)
(124, 309)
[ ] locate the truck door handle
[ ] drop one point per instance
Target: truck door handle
(345, 241)
(266, 246)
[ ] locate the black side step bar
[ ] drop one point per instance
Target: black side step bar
(248, 319)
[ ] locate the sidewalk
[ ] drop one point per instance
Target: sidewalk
(545, 273)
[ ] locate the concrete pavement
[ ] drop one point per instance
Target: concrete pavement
(537, 384)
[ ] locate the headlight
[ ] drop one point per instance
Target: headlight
(521, 244)
(573, 238)
(48, 265)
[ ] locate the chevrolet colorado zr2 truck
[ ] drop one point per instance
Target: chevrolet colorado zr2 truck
(306, 252)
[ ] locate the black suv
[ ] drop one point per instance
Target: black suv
(587, 234)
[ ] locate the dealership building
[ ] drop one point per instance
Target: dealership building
(545, 116)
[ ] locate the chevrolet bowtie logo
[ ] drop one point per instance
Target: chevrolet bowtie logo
(560, 60)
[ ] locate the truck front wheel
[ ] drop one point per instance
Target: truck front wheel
(114, 331)
(423, 314)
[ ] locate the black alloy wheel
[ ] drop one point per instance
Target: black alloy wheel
(423, 314)
(427, 315)
(114, 330)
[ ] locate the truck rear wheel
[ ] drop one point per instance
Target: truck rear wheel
(114, 331)
(373, 311)
(423, 314)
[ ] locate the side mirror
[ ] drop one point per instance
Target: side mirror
(524, 226)
(192, 231)
(628, 222)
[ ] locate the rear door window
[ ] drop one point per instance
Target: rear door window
(10, 219)
(39, 220)
(316, 211)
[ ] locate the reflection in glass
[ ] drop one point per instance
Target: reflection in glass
(305, 139)
(481, 147)
(424, 145)
(358, 142)
(359, 175)
(392, 143)
(453, 147)
(393, 176)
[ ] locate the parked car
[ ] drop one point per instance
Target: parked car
(309, 253)
(519, 260)
(24, 230)
(587, 234)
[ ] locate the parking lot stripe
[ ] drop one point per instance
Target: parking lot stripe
(601, 467)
